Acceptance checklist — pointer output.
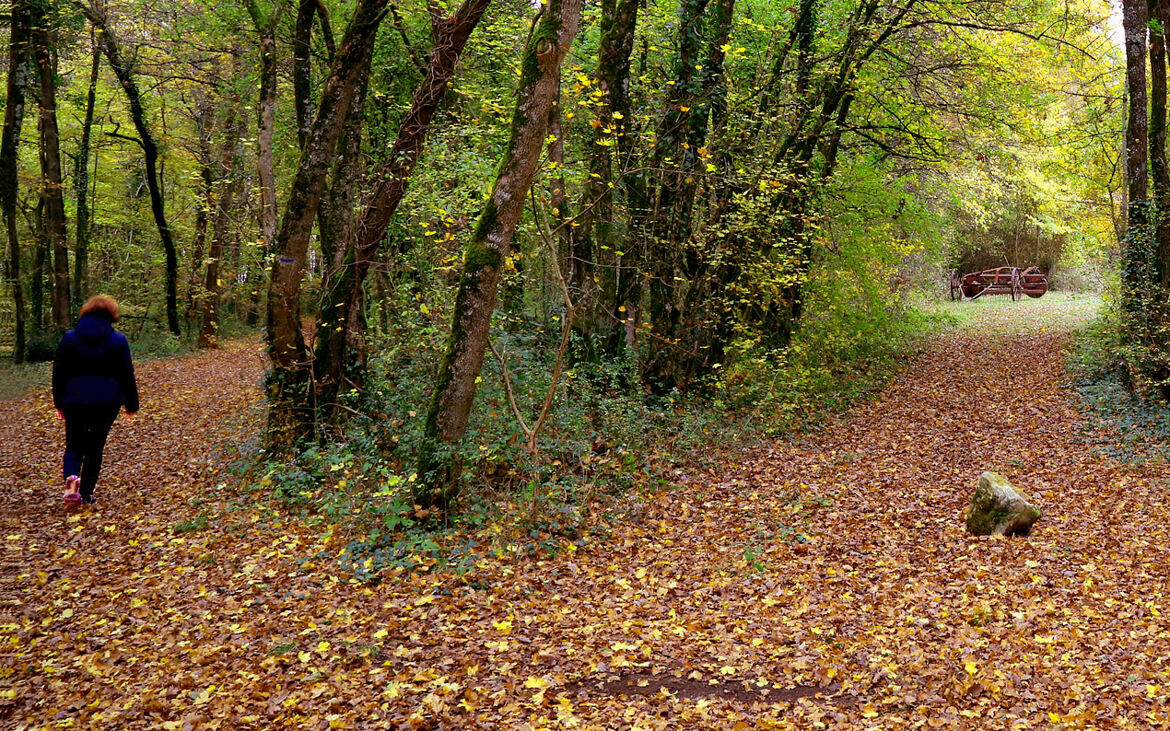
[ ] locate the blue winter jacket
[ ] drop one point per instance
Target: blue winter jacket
(93, 367)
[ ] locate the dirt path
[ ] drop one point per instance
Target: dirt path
(828, 583)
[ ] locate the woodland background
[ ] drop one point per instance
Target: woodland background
(737, 211)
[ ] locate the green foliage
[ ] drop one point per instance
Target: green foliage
(192, 525)
(949, 153)
(41, 346)
(1126, 422)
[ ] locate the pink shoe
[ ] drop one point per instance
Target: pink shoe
(73, 489)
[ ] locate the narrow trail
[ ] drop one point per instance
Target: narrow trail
(824, 583)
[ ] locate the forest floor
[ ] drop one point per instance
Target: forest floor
(822, 582)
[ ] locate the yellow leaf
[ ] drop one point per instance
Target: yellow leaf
(380, 634)
(304, 656)
(971, 667)
(322, 647)
(535, 682)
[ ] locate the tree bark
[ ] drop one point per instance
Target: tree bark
(229, 184)
(1137, 257)
(1159, 170)
(52, 184)
(41, 265)
(682, 137)
(1136, 129)
(446, 423)
(291, 408)
(124, 71)
(203, 126)
(18, 71)
(619, 19)
(302, 69)
(81, 185)
(265, 24)
(340, 344)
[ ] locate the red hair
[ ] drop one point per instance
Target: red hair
(101, 306)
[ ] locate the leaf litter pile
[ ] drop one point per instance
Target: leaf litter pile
(822, 583)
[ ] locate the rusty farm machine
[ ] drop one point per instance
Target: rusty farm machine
(1002, 280)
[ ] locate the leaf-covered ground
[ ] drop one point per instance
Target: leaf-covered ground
(823, 583)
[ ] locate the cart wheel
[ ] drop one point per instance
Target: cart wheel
(956, 286)
(1017, 285)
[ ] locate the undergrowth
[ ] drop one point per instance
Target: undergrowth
(605, 446)
(1120, 424)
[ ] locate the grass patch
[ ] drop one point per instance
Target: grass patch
(17, 380)
(194, 525)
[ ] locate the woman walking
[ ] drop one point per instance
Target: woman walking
(93, 377)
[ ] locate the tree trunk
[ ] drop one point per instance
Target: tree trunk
(41, 265)
(81, 185)
(229, 184)
(266, 29)
(446, 422)
(619, 19)
(291, 409)
(302, 69)
(341, 325)
(124, 71)
(203, 126)
(52, 184)
(1136, 254)
(1159, 170)
(340, 347)
(18, 70)
(672, 357)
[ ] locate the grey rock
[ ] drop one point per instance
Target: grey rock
(999, 509)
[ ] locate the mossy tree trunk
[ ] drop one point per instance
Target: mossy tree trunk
(52, 183)
(124, 71)
(1138, 245)
(18, 71)
(681, 143)
(340, 329)
(1146, 243)
(204, 123)
(81, 186)
(229, 184)
(446, 422)
(595, 235)
(265, 25)
(1159, 170)
(291, 405)
(341, 335)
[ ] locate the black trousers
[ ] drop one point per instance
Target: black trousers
(86, 429)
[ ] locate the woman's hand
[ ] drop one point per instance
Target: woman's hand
(60, 416)
(130, 415)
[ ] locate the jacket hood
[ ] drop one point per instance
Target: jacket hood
(93, 329)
